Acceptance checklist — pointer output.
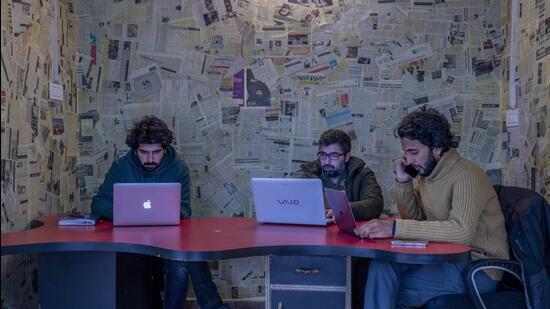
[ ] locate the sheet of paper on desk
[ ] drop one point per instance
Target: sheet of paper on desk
(88, 219)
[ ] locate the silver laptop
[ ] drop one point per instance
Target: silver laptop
(290, 201)
(146, 204)
(343, 215)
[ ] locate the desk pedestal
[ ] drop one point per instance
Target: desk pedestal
(95, 279)
(308, 281)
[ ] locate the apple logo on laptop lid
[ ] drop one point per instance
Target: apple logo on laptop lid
(147, 204)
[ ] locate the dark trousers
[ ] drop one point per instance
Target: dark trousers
(359, 271)
(175, 285)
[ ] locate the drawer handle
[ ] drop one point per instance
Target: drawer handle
(307, 271)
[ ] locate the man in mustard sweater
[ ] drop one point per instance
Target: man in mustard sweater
(452, 201)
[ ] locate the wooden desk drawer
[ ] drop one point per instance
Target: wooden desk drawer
(290, 299)
(308, 270)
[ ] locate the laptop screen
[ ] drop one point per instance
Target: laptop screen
(343, 215)
(146, 204)
(290, 201)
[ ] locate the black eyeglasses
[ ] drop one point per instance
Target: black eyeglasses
(333, 155)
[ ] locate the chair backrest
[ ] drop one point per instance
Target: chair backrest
(527, 217)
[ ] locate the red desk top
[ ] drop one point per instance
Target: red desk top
(220, 238)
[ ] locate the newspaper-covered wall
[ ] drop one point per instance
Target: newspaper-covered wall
(39, 146)
(526, 144)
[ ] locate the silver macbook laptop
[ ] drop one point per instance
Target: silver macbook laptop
(290, 201)
(343, 215)
(146, 204)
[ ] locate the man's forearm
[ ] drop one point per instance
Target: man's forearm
(406, 201)
(102, 208)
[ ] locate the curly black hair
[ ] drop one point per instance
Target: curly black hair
(429, 127)
(335, 136)
(150, 130)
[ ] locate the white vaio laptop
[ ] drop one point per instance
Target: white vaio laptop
(289, 201)
(146, 204)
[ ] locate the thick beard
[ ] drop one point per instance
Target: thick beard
(430, 166)
(150, 167)
(331, 173)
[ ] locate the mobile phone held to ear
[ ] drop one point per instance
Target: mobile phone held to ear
(411, 171)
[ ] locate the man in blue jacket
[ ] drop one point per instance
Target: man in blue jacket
(152, 160)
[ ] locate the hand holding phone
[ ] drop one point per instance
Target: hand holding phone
(403, 171)
(411, 171)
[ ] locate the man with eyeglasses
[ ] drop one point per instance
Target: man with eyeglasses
(339, 170)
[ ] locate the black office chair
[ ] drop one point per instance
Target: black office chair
(527, 219)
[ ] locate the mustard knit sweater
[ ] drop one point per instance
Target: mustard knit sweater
(456, 203)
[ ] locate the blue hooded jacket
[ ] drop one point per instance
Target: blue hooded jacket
(128, 169)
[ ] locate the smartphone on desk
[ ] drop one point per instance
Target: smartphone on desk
(411, 171)
(409, 243)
